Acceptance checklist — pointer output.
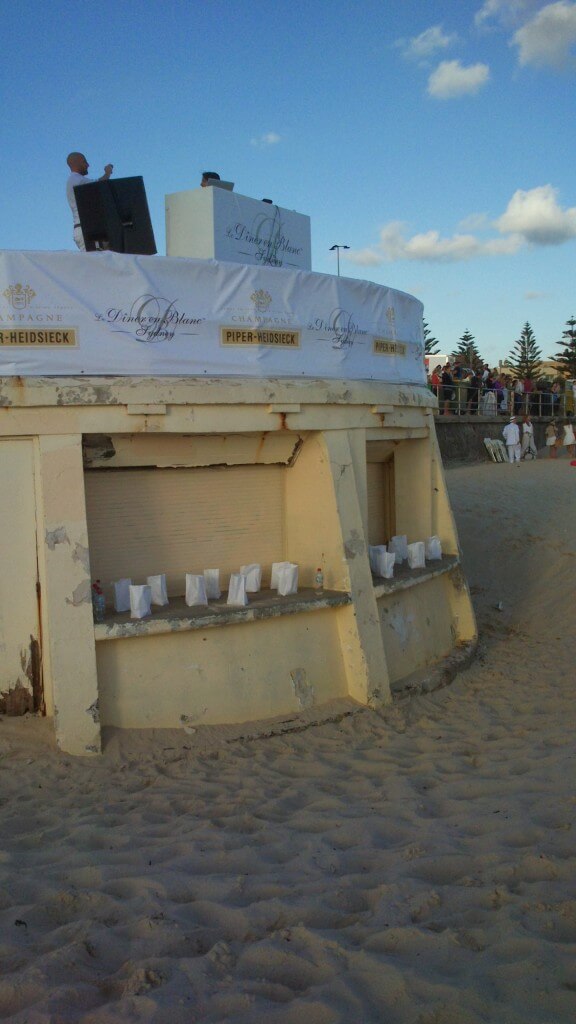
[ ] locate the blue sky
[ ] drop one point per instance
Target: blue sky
(436, 139)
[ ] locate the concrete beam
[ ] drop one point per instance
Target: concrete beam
(68, 627)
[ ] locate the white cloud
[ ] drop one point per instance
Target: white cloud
(537, 217)
(451, 79)
(431, 247)
(548, 38)
(505, 12)
(531, 218)
(427, 44)
(473, 222)
(268, 139)
(364, 257)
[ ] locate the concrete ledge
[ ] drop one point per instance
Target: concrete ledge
(178, 617)
(31, 392)
(438, 675)
(405, 578)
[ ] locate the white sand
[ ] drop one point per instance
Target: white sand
(417, 867)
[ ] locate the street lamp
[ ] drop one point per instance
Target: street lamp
(337, 248)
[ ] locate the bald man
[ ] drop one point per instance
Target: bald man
(79, 165)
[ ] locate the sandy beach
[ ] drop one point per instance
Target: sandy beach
(414, 866)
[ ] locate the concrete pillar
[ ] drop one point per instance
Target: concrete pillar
(359, 624)
(68, 630)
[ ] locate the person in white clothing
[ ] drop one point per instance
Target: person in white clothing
(569, 440)
(528, 445)
(79, 165)
(511, 434)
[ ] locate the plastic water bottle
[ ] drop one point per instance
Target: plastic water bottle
(319, 582)
(98, 602)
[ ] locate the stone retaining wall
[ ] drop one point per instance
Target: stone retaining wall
(461, 438)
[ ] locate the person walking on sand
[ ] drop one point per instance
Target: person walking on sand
(569, 441)
(511, 434)
(552, 439)
(528, 445)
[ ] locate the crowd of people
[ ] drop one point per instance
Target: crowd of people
(484, 391)
(489, 392)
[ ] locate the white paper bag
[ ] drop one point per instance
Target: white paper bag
(433, 549)
(253, 574)
(288, 580)
(375, 552)
(399, 545)
(195, 590)
(122, 595)
(139, 601)
(212, 581)
(276, 567)
(157, 586)
(387, 561)
(237, 589)
(416, 555)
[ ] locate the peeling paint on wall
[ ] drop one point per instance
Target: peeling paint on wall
(303, 690)
(354, 545)
(459, 581)
(87, 395)
(57, 536)
(94, 711)
(16, 701)
(189, 721)
(81, 554)
(82, 594)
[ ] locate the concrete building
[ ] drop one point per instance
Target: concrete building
(112, 475)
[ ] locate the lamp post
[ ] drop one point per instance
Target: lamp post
(337, 248)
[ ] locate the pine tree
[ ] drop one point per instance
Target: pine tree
(566, 359)
(526, 358)
(468, 351)
(430, 344)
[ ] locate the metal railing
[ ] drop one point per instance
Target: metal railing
(469, 401)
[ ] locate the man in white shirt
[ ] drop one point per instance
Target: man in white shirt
(512, 440)
(79, 165)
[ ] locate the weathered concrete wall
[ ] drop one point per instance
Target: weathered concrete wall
(255, 662)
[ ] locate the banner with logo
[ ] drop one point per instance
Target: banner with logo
(212, 223)
(106, 313)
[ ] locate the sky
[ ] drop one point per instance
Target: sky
(435, 138)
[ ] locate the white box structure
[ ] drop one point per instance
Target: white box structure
(212, 223)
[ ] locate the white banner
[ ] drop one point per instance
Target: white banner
(105, 313)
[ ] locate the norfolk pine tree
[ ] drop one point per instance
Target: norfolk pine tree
(525, 357)
(469, 352)
(430, 344)
(566, 359)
